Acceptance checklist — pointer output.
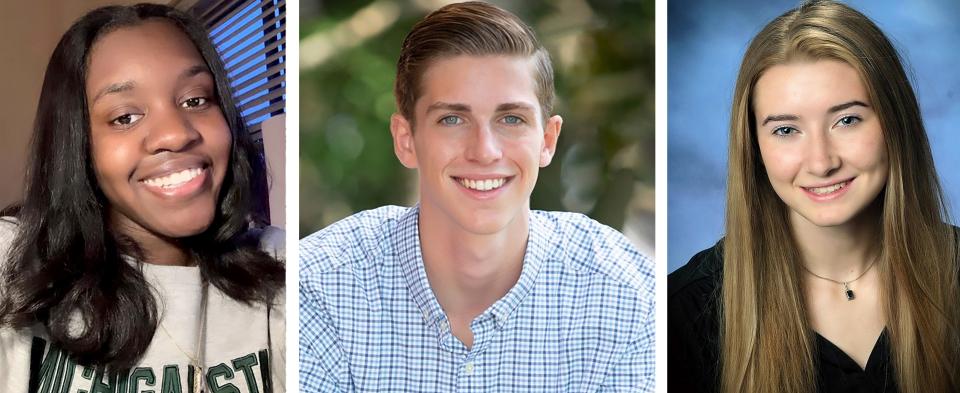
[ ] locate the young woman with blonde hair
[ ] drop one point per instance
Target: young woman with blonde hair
(838, 271)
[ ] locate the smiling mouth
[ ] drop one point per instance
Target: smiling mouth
(828, 189)
(483, 185)
(173, 180)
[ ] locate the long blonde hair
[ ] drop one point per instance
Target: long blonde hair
(767, 344)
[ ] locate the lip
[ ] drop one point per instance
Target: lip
(167, 167)
(483, 195)
(845, 186)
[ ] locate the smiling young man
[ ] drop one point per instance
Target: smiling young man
(470, 290)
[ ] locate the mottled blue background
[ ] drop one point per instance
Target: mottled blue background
(707, 40)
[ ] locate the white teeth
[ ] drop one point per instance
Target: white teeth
(174, 179)
(483, 185)
(828, 189)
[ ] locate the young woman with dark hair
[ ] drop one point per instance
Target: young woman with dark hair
(132, 261)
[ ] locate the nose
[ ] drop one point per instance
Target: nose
(483, 146)
(822, 159)
(170, 131)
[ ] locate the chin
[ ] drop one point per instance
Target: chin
(184, 225)
(828, 219)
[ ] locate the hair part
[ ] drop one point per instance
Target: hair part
(67, 265)
(475, 29)
(763, 312)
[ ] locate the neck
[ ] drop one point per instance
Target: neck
(838, 252)
(469, 272)
(157, 250)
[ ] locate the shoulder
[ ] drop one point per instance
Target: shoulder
(704, 268)
(272, 241)
(694, 289)
(693, 322)
(8, 232)
(590, 247)
(361, 238)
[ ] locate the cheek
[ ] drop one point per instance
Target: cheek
(435, 151)
(113, 161)
(525, 151)
(781, 162)
(870, 152)
(217, 136)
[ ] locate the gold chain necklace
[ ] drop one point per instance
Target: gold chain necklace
(199, 383)
(846, 284)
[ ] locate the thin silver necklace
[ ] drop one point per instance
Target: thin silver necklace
(846, 284)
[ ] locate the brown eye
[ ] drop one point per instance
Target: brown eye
(195, 102)
(126, 119)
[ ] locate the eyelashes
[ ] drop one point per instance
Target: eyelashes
(196, 102)
(450, 120)
(848, 121)
(126, 120)
(845, 121)
(454, 120)
(130, 119)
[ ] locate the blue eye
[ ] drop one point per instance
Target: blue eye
(451, 120)
(784, 131)
(513, 120)
(848, 121)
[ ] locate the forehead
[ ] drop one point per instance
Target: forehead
(152, 49)
(807, 86)
(479, 81)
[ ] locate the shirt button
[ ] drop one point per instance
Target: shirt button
(444, 325)
(468, 368)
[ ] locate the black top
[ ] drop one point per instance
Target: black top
(694, 344)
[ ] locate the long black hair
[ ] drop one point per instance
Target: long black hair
(66, 264)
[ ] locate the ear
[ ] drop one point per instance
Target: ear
(551, 131)
(403, 140)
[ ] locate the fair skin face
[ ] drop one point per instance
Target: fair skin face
(159, 143)
(478, 143)
(823, 149)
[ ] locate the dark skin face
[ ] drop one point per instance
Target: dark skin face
(159, 142)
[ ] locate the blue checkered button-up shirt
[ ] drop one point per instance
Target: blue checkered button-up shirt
(579, 319)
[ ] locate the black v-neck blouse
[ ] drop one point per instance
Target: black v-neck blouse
(694, 345)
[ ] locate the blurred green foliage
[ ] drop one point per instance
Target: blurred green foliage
(603, 54)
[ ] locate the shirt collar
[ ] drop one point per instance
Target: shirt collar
(538, 244)
(407, 242)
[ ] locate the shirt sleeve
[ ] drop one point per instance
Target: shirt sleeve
(323, 366)
(637, 367)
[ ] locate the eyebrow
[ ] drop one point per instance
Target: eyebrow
(838, 108)
(114, 88)
(124, 86)
(511, 106)
(448, 106)
(508, 106)
(833, 109)
(194, 71)
(779, 118)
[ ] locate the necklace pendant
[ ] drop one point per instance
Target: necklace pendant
(847, 291)
(197, 379)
